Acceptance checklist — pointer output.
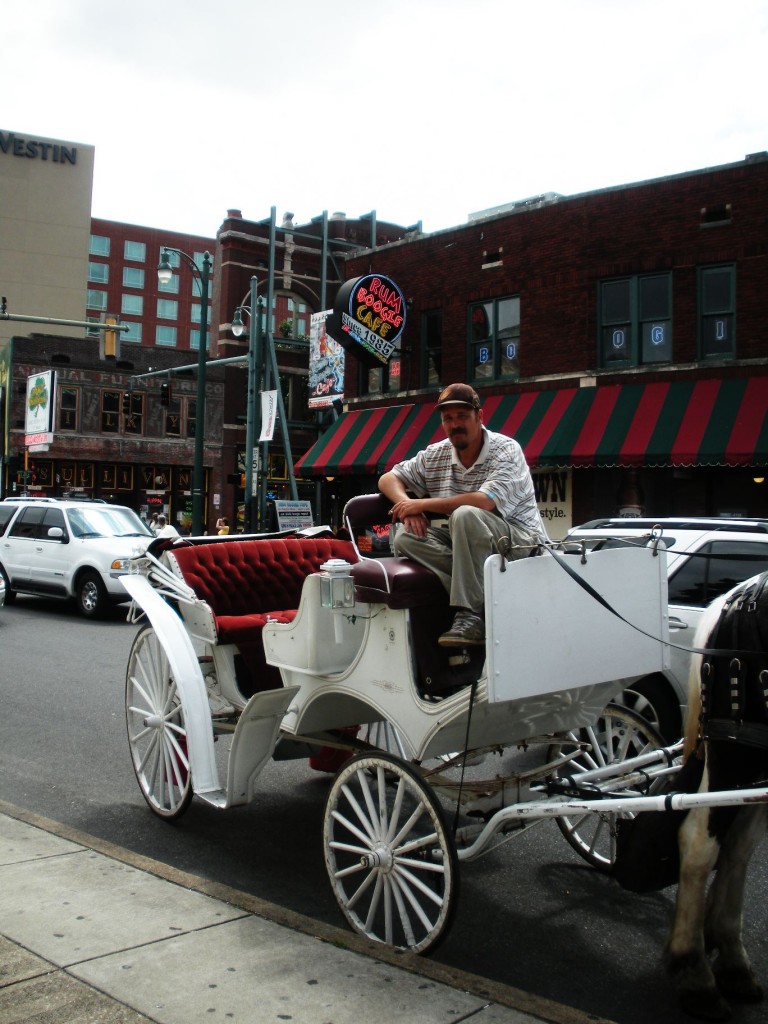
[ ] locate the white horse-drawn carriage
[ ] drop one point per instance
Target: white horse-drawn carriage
(292, 644)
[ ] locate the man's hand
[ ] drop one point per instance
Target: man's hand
(408, 512)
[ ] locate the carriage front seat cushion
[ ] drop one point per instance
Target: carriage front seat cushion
(397, 582)
(391, 580)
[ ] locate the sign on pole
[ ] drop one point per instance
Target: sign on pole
(268, 415)
(38, 418)
(369, 317)
(293, 515)
(326, 364)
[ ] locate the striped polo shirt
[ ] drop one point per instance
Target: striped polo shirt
(500, 471)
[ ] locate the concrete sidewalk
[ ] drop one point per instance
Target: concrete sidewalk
(94, 934)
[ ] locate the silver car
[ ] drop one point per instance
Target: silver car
(705, 558)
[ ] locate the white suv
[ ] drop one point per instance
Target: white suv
(705, 558)
(68, 549)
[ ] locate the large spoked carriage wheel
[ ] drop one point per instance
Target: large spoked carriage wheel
(157, 734)
(616, 736)
(390, 858)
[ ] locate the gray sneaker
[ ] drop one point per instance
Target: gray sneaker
(468, 629)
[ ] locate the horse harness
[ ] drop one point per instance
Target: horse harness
(734, 676)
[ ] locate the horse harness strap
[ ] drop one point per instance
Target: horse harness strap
(734, 701)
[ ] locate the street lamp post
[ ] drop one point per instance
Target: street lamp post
(202, 276)
(253, 413)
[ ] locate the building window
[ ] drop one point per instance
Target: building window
(173, 257)
(171, 286)
(167, 309)
(132, 305)
(494, 339)
(636, 320)
(198, 260)
(173, 419)
(165, 336)
(96, 299)
(191, 417)
(68, 407)
(110, 411)
(99, 245)
(382, 380)
(717, 312)
(135, 251)
(197, 310)
(133, 277)
(133, 421)
(430, 371)
(98, 273)
(194, 340)
(133, 334)
(95, 331)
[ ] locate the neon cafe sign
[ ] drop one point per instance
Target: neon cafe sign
(369, 317)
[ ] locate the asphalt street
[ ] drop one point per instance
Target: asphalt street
(531, 915)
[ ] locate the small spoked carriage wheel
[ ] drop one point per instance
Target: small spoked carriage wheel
(617, 735)
(157, 734)
(389, 855)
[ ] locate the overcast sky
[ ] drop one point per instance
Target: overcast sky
(420, 109)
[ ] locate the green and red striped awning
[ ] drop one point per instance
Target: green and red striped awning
(682, 423)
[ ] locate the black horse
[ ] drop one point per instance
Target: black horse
(728, 730)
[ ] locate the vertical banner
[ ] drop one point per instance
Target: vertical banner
(268, 415)
(38, 419)
(326, 364)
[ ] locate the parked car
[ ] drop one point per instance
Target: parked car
(72, 549)
(2, 591)
(705, 558)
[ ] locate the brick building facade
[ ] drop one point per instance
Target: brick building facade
(620, 334)
(141, 456)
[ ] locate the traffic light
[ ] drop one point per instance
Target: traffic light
(165, 394)
(110, 339)
(126, 403)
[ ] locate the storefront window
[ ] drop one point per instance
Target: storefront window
(68, 407)
(494, 339)
(110, 411)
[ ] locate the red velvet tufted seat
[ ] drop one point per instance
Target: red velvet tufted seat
(248, 582)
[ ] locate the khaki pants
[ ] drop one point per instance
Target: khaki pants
(457, 551)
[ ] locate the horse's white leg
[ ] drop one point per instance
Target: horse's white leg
(685, 953)
(725, 900)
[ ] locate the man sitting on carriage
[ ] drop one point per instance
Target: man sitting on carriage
(471, 490)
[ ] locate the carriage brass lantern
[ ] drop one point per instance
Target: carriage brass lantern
(337, 592)
(337, 588)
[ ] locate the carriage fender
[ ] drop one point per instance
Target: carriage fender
(185, 669)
